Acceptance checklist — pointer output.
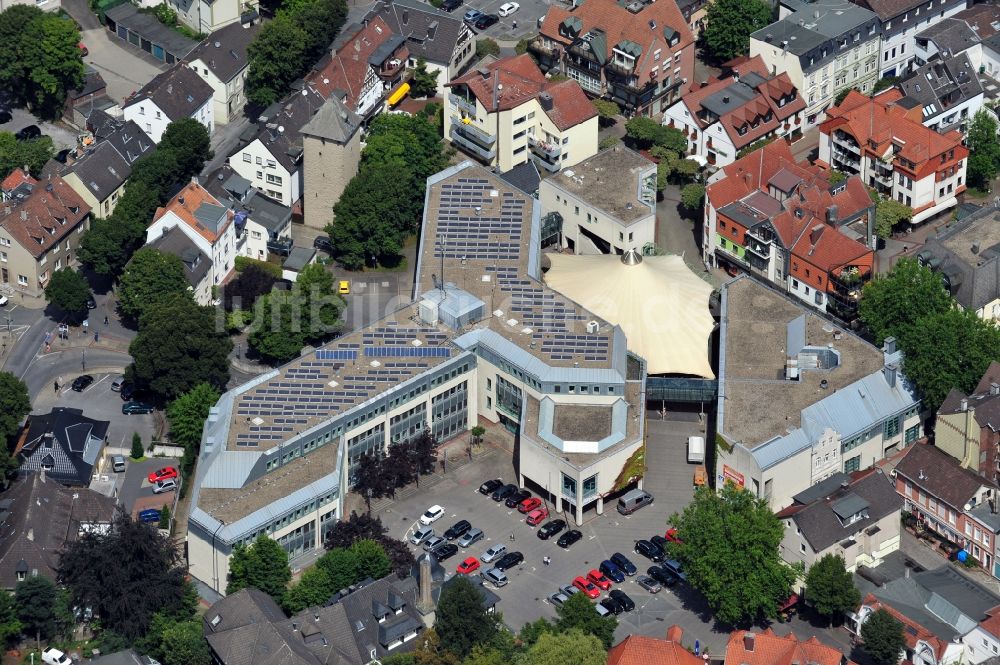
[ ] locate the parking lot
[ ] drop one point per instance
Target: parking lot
(20, 118)
(135, 483)
(524, 599)
(526, 17)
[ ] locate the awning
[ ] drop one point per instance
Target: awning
(933, 210)
(398, 94)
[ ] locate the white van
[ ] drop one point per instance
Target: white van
(696, 450)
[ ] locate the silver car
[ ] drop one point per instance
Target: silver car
(558, 598)
(649, 584)
(420, 534)
(473, 536)
(433, 542)
(493, 553)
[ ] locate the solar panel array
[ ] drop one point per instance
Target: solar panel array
(396, 334)
(407, 351)
(468, 226)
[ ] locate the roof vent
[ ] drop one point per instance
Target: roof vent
(592, 327)
(218, 44)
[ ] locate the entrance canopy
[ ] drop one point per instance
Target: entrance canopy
(657, 300)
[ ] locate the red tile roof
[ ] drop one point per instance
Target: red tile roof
(766, 648)
(991, 624)
(186, 202)
(16, 178)
(349, 67)
(642, 650)
(914, 633)
(40, 221)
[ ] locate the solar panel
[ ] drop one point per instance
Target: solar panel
(407, 352)
(336, 354)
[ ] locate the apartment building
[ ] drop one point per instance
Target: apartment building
(639, 53)
(795, 413)
(483, 346)
(207, 16)
(948, 92)
(197, 265)
(894, 153)
(506, 112)
(983, 642)
(785, 223)
(258, 219)
(173, 95)
(949, 37)
(901, 21)
(968, 426)
(221, 62)
(606, 204)
(824, 47)
(722, 117)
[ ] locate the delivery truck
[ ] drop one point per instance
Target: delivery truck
(696, 450)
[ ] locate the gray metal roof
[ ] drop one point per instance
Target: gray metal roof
(299, 258)
(385, 49)
(822, 489)
(732, 97)
(950, 35)
(940, 85)
(818, 23)
(149, 27)
(224, 52)
(430, 33)
(848, 505)
(825, 519)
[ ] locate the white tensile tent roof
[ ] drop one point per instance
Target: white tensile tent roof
(657, 300)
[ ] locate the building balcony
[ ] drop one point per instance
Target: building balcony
(583, 52)
(508, 410)
(459, 138)
(543, 149)
(472, 132)
(542, 162)
(467, 105)
(390, 68)
(538, 45)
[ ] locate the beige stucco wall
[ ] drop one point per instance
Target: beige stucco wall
(101, 209)
(867, 550)
(19, 262)
(575, 211)
(328, 167)
(958, 435)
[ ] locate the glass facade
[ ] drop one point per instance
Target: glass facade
(373, 439)
(508, 397)
(407, 425)
(569, 488)
(449, 412)
(299, 541)
(590, 487)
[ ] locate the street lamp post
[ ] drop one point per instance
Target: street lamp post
(83, 359)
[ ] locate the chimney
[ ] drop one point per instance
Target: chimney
(831, 214)
(815, 234)
(406, 16)
(31, 535)
(545, 100)
(890, 374)
(995, 388)
(675, 633)
(975, 248)
(425, 602)
(906, 572)
(725, 99)
(889, 345)
(194, 180)
(748, 639)
(964, 404)
(432, 30)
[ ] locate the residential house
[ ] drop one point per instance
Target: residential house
(197, 265)
(615, 192)
(947, 91)
(208, 16)
(258, 219)
(40, 228)
(270, 155)
(948, 38)
(331, 142)
(16, 183)
(639, 53)
(767, 648)
(206, 221)
(506, 112)
(901, 21)
(855, 518)
(983, 642)
(39, 518)
(723, 117)
(441, 39)
(983, 17)
(939, 492)
(695, 12)
(643, 650)
(966, 254)
(834, 402)
(369, 621)
(173, 95)
(786, 223)
(221, 62)
(64, 444)
(982, 531)
(824, 48)
(894, 153)
(99, 175)
(991, 56)
(91, 95)
(968, 426)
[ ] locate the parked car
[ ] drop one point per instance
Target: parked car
(497, 577)
(486, 21)
(80, 383)
(135, 407)
(149, 515)
(649, 584)
(162, 474)
(490, 486)
(117, 384)
(569, 538)
(62, 155)
(53, 656)
(5, 117)
(623, 562)
(459, 528)
(471, 537)
(551, 528)
(433, 514)
(344, 287)
(493, 553)
(676, 568)
(446, 551)
(323, 243)
(529, 504)
(659, 541)
(127, 391)
(451, 5)
(509, 560)
(612, 571)
(508, 8)
(569, 589)
(163, 486)
(420, 534)
(601, 610)
(28, 133)
(4, 300)
(472, 16)
(623, 599)
(91, 303)
(280, 246)
(468, 566)
(517, 497)
(118, 463)
(598, 578)
(558, 598)
(536, 516)
(661, 575)
(433, 542)
(649, 550)
(611, 605)
(502, 493)
(586, 587)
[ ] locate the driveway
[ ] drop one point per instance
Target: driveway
(100, 402)
(135, 484)
(20, 118)
(521, 24)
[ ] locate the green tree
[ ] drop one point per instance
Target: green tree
(186, 416)
(831, 588)
(137, 451)
(321, 20)
(835, 177)
(693, 197)
(729, 549)
(263, 565)
(313, 588)
(68, 290)
(729, 24)
(164, 518)
(36, 598)
(179, 347)
(276, 334)
(684, 171)
(14, 406)
(530, 632)
(884, 84)
(578, 613)
(10, 625)
(276, 57)
(485, 47)
(461, 621)
(984, 151)
(883, 637)
(371, 559)
(183, 643)
(17, 154)
(190, 144)
(341, 567)
(572, 646)
(150, 277)
(607, 111)
(424, 82)
(892, 303)
(398, 140)
(889, 213)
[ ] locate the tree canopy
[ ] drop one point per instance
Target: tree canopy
(729, 550)
(461, 621)
(573, 646)
(831, 588)
(345, 533)
(889, 213)
(10, 625)
(69, 291)
(883, 637)
(693, 197)
(190, 143)
(263, 565)
(186, 416)
(37, 607)
(729, 24)
(17, 154)
(984, 152)
(424, 81)
(149, 278)
(578, 613)
(14, 406)
(249, 285)
(892, 303)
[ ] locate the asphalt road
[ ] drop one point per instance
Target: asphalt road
(61, 137)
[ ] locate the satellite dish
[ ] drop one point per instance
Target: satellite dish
(326, 81)
(281, 128)
(305, 92)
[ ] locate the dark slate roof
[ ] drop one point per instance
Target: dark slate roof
(178, 92)
(523, 176)
(299, 258)
(127, 657)
(243, 608)
(962, 592)
(950, 35)
(431, 33)
(147, 25)
(196, 264)
(108, 164)
(940, 475)
(69, 439)
(224, 51)
(280, 126)
(968, 253)
(92, 82)
(236, 191)
(821, 520)
(887, 9)
(38, 516)
(986, 406)
(333, 122)
(940, 85)
(822, 489)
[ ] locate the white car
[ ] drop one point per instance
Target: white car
(433, 514)
(3, 300)
(53, 656)
(161, 486)
(508, 8)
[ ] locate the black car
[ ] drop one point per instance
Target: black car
(516, 498)
(509, 560)
(622, 562)
(5, 117)
(502, 493)
(457, 530)
(128, 391)
(612, 605)
(442, 552)
(281, 246)
(28, 133)
(62, 155)
(649, 550)
(569, 538)
(134, 408)
(627, 603)
(490, 486)
(551, 528)
(91, 303)
(662, 575)
(485, 21)
(660, 542)
(81, 382)
(451, 5)
(323, 243)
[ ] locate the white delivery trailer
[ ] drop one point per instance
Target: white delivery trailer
(696, 450)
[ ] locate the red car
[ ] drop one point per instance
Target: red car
(468, 566)
(597, 577)
(537, 516)
(671, 536)
(529, 504)
(162, 474)
(586, 587)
